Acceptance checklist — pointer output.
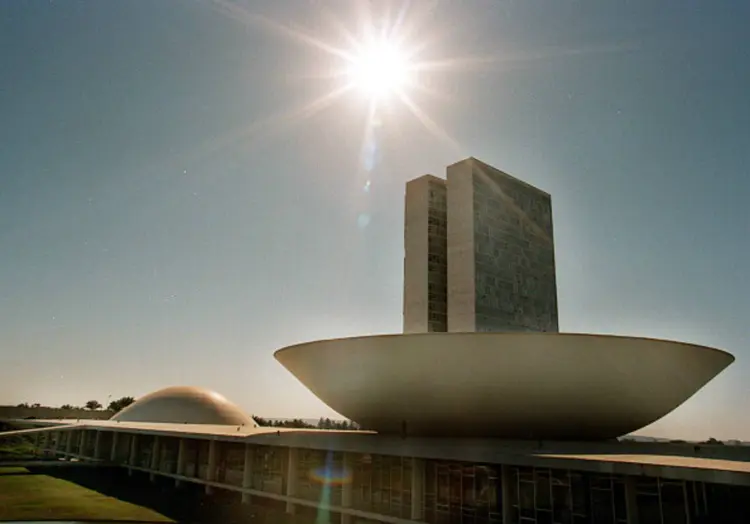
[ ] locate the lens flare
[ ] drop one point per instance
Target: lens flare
(330, 476)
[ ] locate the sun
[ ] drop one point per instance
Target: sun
(379, 69)
(381, 61)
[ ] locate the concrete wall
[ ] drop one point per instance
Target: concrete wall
(512, 251)
(479, 253)
(425, 256)
(14, 412)
(461, 287)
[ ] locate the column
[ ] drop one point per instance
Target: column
(181, 459)
(97, 444)
(631, 500)
(211, 470)
(82, 444)
(161, 463)
(154, 465)
(507, 484)
(346, 488)
(417, 488)
(45, 445)
(55, 443)
(132, 452)
(68, 443)
(113, 449)
(247, 472)
(291, 478)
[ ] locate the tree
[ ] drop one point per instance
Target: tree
(66, 406)
(93, 405)
(120, 404)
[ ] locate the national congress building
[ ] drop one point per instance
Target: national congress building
(481, 412)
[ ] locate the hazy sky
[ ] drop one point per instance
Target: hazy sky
(170, 213)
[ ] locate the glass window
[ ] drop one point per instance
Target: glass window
(618, 493)
(526, 499)
(543, 493)
(602, 508)
(673, 503)
(579, 487)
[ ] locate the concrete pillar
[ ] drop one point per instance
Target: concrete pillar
(507, 485)
(68, 442)
(97, 444)
(113, 448)
(161, 463)
(55, 442)
(132, 452)
(82, 444)
(154, 465)
(212, 459)
(291, 477)
(417, 488)
(247, 472)
(181, 459)
(346, 488)
(631, 501)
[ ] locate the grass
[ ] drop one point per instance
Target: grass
(25, 495)
(14, 450)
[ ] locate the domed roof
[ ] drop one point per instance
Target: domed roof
(185, 405)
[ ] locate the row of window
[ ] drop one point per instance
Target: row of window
(451, 491)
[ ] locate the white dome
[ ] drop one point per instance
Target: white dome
(185, 405)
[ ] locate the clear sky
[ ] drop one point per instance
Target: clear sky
(172, 209)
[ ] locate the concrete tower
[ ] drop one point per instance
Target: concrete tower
(426, 256)
(501, 253)
(479, 253)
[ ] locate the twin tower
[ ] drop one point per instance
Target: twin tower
(479, 253)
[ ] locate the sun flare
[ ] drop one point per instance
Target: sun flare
(382, 62)
(380, 69)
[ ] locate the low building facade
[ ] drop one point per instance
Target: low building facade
(363, 478)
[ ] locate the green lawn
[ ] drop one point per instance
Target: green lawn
(30, 496)
(17, 449)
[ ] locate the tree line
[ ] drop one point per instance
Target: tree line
(323, 423)
(123, 402)
(91, 405)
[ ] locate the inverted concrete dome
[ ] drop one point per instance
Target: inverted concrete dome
(185, 405)
(509, 385)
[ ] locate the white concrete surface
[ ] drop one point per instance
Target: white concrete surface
(181, 404)
(510, 385)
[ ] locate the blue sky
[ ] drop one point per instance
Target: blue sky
(169, 216)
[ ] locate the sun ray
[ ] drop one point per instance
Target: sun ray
(264, 129)
(455, 64)
(242, 15)
(476, 63)
(417, 20)
(434, 93)
(339, 26)
(429, 123)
